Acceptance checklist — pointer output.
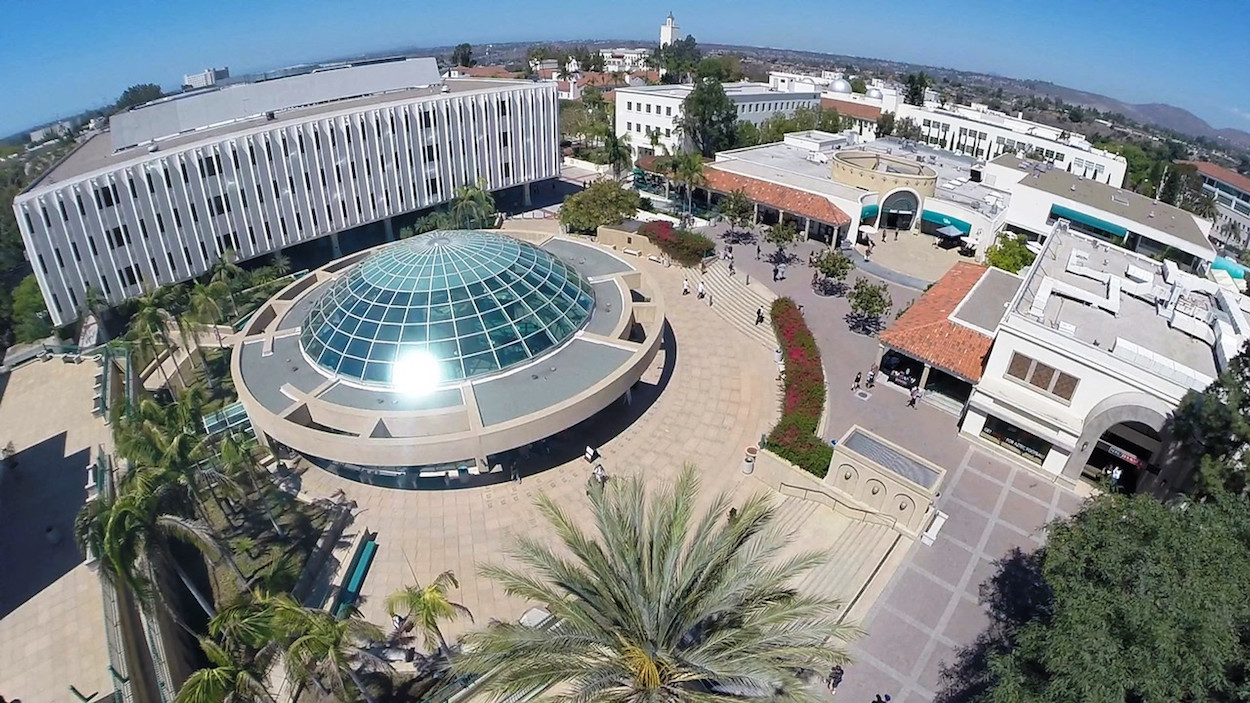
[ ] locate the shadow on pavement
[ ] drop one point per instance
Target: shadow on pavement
(1015, 595)
(41, 496)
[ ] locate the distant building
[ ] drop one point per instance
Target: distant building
(254, 168)
(973, 130)
(51, 131)
(624, 60)
(1232, 201)
(642, 111)
(207, 77)
(669, 31)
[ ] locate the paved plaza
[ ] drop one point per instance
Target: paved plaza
(930, 607)
(912, 254)
(51, 612)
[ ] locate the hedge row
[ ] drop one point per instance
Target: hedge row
(683, 246)
(794, 438)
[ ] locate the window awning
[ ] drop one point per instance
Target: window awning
(869, 212)
(1088, 220)
(941, 220)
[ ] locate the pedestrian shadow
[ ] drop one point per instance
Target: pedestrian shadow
(1015, 595)
(43, 491)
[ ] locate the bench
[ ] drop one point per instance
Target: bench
(934, 527)
(632, 252)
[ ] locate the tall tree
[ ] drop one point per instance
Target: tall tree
(472, 206)
(1140, 602)
(915, 84)
(603, 202)
(329, 652)
(462, 55)
(688, 171)
(1010, 253)
(782, 235)
(227, 679)
(137, 95)
(661, 603)
(1213, 430)
(885, 124)
(30, 313)
(708, 118)
(425, 606)
(616, 151)
(869, 301)
(738, 209)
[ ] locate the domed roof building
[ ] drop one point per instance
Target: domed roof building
(874, 93)
(430, 357)
(840, 85)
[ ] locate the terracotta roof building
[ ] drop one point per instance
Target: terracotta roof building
(943, 332)
(779, 197)
(1221, 174)
(859, 111)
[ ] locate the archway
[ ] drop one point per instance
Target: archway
(1123, 431)
(899, 209)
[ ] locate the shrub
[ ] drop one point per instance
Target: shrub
(794, 437)
(683, 246)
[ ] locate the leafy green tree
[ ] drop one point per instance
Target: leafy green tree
(661, 603)
(1212, 429)
(914, 87)
(725, 69)
(708, 118)
(858, 85)
(885, 124)
(1142, 603)
(834, 265)
(746, 134)
(869, 302)
(907, 128)
(604, 202)
(1010, 252)
(426, 606)
(737, 209)
(688, 171)
(138, 95)
(1076, 114)
(30, 313)
(472, 206)
(782, 235)
(616, 151)
(462, 55)
(679, 59)
(829, 120)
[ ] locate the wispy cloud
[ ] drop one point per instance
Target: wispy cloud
(1243, 114)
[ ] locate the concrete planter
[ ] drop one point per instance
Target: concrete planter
(748, 462)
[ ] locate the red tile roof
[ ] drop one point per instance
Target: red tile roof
(925, 331)
(857, 110)
(485, 72)
(599, 79)
(1222, 174)
(798, 202)
(650, 77)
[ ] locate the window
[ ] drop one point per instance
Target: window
(668, 132)
(160, 223)
(47, 222)
(103, 198)
(629, 126)
(195, 214)
(668, 111)
(115, 238)
(629, 105)
(1042, 377)
(92, 246)
(208, 166)
(503, 139)
(151, 185)
(133, 192)
(177, 218)
(183, 167)
(218, 205)
(73, 247)
(648, 108)
(427, 118)
(507, 170)
(128, 276)
(431, 185)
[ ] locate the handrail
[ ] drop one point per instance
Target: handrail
(868, 515)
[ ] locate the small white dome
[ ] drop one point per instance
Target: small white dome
(840, 86)
(874, 93)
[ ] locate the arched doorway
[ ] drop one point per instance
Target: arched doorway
(899, 210)
(1121, 437)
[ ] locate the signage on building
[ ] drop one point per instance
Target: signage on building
(995, 431)
(1121, 454)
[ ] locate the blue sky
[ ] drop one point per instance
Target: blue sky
(74, 54)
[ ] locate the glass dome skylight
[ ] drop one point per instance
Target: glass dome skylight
(447, 305)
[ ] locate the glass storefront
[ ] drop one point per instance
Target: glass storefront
(1016, 440)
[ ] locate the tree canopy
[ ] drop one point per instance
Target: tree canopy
(604, 202)
(30, 313)
(1213, 430)
(725, 69)
(679, 59)
(869, 301)
(1135, 602)
(138, 95)
(1010, 253)
(914, 87)
(709, 117)
(737, 208)
(462, 55)
(885, 124)
(858, 85)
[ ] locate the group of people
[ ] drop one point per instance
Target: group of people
(699, 290)
(859, 379)
(779, 271)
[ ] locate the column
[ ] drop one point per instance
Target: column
(807, 228)
(335, 249)
(924, 377)
(389, 223)
(525, 195)
(755, 214)
(880, 353)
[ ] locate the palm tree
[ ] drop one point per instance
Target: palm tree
(226, 680)
(328, 652)
(149, 328)
(133, 537)
(472, 205)
(661, 605)
(689, 172)
(226, 271)
(281, 264)
(237, 461)
(206, 304)
(616, 151)
(426, 606)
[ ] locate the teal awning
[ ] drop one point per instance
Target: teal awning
(869, 212)
(941, 220)
(1087, 220)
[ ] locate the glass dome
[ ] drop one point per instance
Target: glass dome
(442, 307)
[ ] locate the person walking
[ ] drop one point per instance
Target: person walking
(774, 273)
(701, 292)
(757, 252)
(915, 395)
(859, 378)
(685, 286)
(732, 270)
(759, 315)
(781, 270)
(872, 376)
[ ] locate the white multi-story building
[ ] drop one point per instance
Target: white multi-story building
(1096, 349)
(1042, 194)
(669, 31)
(206, 78)
(624, 60)
(45, 133)
(1231, 191)
(253, 168)
(644, 111)
(973, 130)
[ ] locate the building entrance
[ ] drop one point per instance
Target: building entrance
(1122, 455)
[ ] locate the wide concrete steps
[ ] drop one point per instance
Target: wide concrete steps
(737, 301)
(858, 553)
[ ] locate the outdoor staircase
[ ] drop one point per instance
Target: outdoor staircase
(737, 301)
(859, 552)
